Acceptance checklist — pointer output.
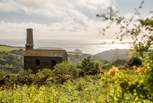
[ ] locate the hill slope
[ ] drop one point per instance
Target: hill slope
(113, 55)
(6, 48)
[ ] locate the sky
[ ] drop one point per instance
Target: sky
(61, 19)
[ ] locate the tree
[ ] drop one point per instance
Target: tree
(141, 32)
(88, 66)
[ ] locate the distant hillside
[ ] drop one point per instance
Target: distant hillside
(110, 55)
(113, 55)
(6, 48)
(76, 57)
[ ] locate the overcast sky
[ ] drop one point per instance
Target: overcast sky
(60, 19)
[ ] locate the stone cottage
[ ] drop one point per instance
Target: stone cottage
(41, 58)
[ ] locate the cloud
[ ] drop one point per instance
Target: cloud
(61, 19)
(8, 6)
(46, 31)
(76, 19)
(55, 8)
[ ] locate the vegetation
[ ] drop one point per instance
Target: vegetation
(113, 86)
(65, 71)
(12, 60)
(89, 67)
(65, 84)
(5, 48)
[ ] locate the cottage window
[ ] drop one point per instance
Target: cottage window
(53, 63)
(37, 62)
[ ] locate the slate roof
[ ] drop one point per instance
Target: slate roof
(46, 52)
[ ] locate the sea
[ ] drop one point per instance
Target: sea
(90, 47)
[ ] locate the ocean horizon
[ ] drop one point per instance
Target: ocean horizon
(91, 47)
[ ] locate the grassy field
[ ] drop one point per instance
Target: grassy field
(6, 48)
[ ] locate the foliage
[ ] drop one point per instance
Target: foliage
(11, 61)
(67, 93)
(149, 72)
(135, 61)
(119, 62)
(113, 71)
(147, 22)
(114, 86)
(65, 71)
(138, 87)
(88, 66)
(5, 48)
(117, 88)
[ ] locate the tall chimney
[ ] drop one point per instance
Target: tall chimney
(29, 42)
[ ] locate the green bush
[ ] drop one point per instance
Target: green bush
(149, 73)
(135, 61)
(44, 72)
(88, 66)
(42, 77)
(139, 86)
(65, 71)
(11, 61)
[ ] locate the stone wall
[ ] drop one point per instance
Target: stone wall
(41, 62)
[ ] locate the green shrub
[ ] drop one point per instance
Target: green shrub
(2, 74)
(44, 72)
(11, 61)
(149, 73)
(44, 77)
(88, 66)
(107, 66)
(135, 61)
(65, 71)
